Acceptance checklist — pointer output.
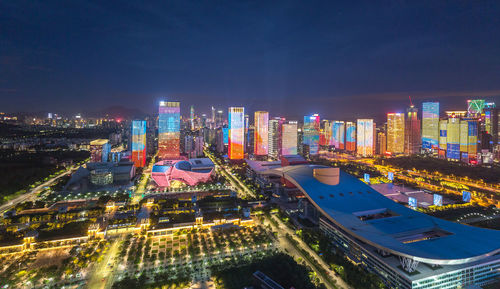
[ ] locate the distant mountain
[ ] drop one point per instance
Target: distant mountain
(121, 112)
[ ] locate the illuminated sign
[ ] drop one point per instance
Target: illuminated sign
(390, 176)
(438, 200)
(412, 202)
(466, 196)
(367, 178)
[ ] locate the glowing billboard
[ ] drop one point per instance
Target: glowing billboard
(390, 176)
(466, 196)
(437, 200)
(412, 202)
(236, 133)
(366, 178)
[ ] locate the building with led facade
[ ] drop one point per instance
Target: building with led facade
(139, 143)
(413, 139)
(430, 125)
(453, 139)
(288, 138)
(350, 136)
(468, 139)
(311, 133)
(338, 131)
(169, 119)
(325, 134)
(99, 150)
(395, 133)
(236, 133)
(261, 133)
(364, 137)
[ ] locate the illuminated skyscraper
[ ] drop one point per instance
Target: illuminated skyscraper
(311, 133)
(325, 132)
(213, 115)
(350, 136)
(169, 119)
(236, 118)
(219, 120)
(381, 143)
(261, 134)
(468, 139)
(338, 128)
(191, 117)
(274, 137)
(139, 143)
(395, 133)
(365, 137)
(453, 138)
(430, 125)
(412, 131)
(288, 138)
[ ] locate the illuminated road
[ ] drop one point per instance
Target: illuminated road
(235, 182)
(282, 230)
(30, 196)
(146, 174)
(103, 275)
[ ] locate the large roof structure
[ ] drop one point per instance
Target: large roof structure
(372, 218)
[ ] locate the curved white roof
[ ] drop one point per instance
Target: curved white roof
(400, 230)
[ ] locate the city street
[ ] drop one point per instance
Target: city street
(30, 196)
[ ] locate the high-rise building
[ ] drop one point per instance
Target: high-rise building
(381, 143)
(453, 138)
(274, 137)
(261, 133)
(430, 125)
(191, 117)
(139, 143)
(213, 115)
(219, 120)
(350, 136)
(325, 133)
(311, 133)
(169, 119)
(236, 133)
(288, 138)
(338, 128)
(412, 131)
(443, 132)
(395, 133)
(468, 139)
(364, 137)
(99, 150)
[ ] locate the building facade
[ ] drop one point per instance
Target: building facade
(169, 119)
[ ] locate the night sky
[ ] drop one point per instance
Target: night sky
(342, 60)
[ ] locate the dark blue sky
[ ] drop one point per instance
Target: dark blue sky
(341, 59)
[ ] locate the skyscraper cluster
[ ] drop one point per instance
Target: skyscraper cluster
(470, 136)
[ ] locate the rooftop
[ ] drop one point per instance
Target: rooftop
(369, 216)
